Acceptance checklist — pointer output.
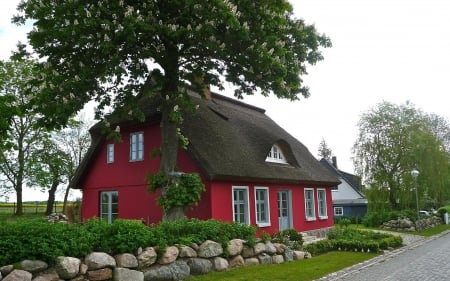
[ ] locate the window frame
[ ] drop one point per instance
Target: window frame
(110, 153)
(110, 215)
(338, 208)
(246, 205)
(276, 155)
(137, 146)
(322, 204)
(265, 202)
(312, 207)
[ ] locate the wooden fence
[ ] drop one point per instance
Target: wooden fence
(29, 208)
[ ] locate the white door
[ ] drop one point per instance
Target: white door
(284, 210)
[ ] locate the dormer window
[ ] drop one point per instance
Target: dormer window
(276, 155)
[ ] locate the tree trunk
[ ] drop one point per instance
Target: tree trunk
(51, 198)
(66, 196)
(19, 205)
(169, 152)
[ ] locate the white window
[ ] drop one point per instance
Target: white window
(338, 211)
(110, 153)
(240, 205)
(276, 155)
(109, 205)
(137, 146)
(309, 204)
(262, 206)
(322, 203)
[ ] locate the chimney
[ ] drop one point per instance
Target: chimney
(334, 161)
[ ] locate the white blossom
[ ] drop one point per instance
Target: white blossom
(88, 14)
(75, 22)
(117, 129)
(107, 39)
(129, 11)
(175, 108)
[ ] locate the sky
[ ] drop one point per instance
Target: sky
(383, 50)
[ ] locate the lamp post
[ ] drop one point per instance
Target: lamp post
(415, 174)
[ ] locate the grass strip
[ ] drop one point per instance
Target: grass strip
(302, 270)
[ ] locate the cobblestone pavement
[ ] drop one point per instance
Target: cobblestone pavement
(425, 259)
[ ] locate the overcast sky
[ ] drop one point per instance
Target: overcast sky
(383, 50)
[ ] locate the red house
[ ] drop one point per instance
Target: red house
(254, 171)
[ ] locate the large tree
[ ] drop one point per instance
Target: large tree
(21, 134)
(393, 140)
(115, 52)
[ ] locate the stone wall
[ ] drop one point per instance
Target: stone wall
(405, 224)
(175, 263)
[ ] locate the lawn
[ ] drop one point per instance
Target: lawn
(302, 270)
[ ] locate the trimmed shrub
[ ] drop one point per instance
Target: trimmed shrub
(290, 237)
(40, 240)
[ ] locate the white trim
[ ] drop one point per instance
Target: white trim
(313, 217)
(110, 215)
(110, 153)
(342, 211)
(246, 202)
(321, 216)
(137, 153)
(276, 155)
(266, 206)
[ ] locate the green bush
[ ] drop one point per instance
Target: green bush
(375, 219)
(350, 239)
(40, 240)
(290, 237)
(443, 210)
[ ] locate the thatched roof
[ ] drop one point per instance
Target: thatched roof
(229, 140)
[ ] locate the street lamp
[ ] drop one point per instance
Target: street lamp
(415, 174)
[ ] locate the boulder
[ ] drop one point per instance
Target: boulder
(209, 249)
(235, 247)
(178, 270)
(67, 267)
(125, 274)
(99, 274)
(98, 260)
(126, 260)
(18, 275)
(47, 277)
(277, 259)
(237, 261)
(199, 266)
(187, 252)
(270, 248)
(33, 266)
(147, 257)
(259, 248)
(248, 252)
(264, 259)
(220, 264)
(251, 261)
(169, 256)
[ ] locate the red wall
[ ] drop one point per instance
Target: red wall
(221, 195)
(129, 178)
(135, 202)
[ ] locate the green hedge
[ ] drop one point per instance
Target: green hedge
(349, 239)
(44, 241)
(375, 219)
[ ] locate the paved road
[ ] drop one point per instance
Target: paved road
(423, 259)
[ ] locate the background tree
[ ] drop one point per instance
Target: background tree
(392, 141)
(74, 140)
(116, 52)
(47, 170)
(22, 134)
(324, 151)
